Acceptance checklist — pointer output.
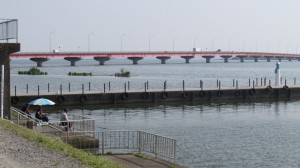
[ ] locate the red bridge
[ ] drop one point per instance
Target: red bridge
(102, 57)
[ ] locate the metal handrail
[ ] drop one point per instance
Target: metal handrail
(20, 115)
(8, 29)
(121, 140)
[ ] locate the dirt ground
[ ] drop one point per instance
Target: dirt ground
(18, 152)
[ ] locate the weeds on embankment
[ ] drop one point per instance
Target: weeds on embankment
(85, 158)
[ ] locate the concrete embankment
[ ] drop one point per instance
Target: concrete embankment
(199, 96)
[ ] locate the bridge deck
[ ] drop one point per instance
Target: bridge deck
(150, 54)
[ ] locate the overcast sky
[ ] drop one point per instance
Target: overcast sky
(262, 25)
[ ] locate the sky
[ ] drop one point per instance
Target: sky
(155, 25)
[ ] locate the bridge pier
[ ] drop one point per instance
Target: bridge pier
(187, 58)
(268, 59)
(5, 50)
(73, 60)
(290, 59)
(135, 59)
(255, 58)
(101, 60)
(163, 59)
(226, 57)
(39, 61)
(242, 58)
(208, 58)
(279, 59)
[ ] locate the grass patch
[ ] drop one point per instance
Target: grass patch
(85, 158)
(80, 74)
(140, 155)
(122, 73)
(32, 71)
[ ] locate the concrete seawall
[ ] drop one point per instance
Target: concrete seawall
(200, 96)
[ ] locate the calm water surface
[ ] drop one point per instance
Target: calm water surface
(208, 135)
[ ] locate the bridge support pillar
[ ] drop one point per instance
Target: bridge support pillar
(242, 58)
(187, 58)
(208, 58)
(255, 58)
(73, 60)
(279, 59)
(5, 50)
(39, 61)
(268, 59)
(290, 59)
(101, 60)
(226, 57)
(135, 59)
(163, 59)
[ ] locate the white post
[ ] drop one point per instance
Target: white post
(2, 90)
(277, 72)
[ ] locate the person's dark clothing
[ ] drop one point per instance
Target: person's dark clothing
(41, 117)
(25, 111)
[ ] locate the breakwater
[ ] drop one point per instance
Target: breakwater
(197, 95)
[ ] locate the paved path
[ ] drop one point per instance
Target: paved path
(132, 161)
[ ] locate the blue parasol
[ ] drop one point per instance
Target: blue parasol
(41, 102)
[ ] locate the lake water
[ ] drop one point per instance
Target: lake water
(246, 134)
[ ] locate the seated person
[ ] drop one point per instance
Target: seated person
(40, 115)
(64, 119)
(25, 109)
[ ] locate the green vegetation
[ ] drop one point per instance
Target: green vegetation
(108, 153)
(57, 145)
(32, 71)
(80, 74)
(140, 155)
(123, 73)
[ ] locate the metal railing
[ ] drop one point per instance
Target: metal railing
(128, 141)
(118, 140)
(158, 145)
(20, 118)
(85, 125)
(8, 29)
(82, 135)
(82, 125)
(137, 141)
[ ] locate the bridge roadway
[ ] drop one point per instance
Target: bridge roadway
(102, 57)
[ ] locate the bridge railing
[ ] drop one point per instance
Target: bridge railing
(8, 29)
